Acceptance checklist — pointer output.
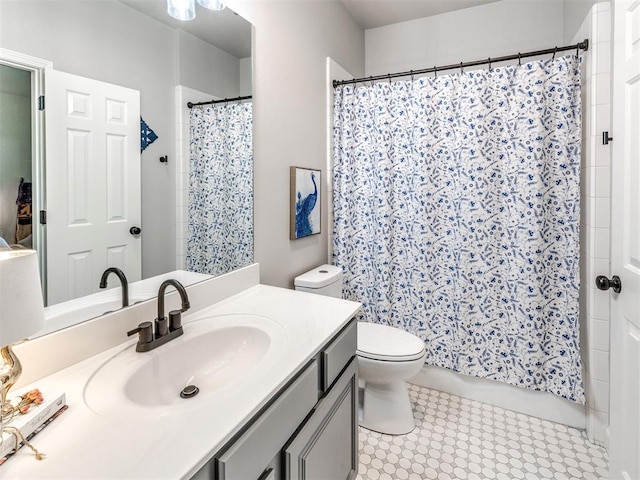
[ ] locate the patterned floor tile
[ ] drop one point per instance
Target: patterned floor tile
(461, 439)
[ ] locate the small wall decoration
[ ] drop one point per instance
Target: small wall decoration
(305, 202)
(147, 136)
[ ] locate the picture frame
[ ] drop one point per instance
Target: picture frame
(305, 193)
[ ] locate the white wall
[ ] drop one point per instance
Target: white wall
(108, 41)
(492, 30)
(15, 143)
(573, 14)
(292, 39)
(206, 68)
(246, 74)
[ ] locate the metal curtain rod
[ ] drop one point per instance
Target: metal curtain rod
(584, 45)
(224, 100)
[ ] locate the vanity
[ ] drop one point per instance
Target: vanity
(277, 378)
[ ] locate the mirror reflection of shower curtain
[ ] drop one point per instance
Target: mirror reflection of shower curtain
(220, 207)
(457, 216)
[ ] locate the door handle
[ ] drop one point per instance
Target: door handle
(603, 283)
(135, 230)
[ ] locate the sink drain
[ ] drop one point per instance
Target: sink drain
(189, 391)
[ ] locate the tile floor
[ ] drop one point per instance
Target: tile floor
(461, 439)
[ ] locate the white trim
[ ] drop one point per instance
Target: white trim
(334, 72)
(21, 59)
(38, 68)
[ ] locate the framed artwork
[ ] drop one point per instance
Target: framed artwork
(305, 202)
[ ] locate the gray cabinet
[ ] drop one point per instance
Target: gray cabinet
(307, 431)
(326, 447)
(248, 456)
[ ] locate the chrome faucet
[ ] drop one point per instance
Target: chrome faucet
(123, 281)
(165, 330)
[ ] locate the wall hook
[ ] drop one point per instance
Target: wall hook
(606, 138)
(164, 159)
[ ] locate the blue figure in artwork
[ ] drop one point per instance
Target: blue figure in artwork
(304, 207)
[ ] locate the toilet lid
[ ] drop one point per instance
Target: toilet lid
(380, 342)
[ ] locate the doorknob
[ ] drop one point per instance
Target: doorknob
(135, 230)
(603, 283)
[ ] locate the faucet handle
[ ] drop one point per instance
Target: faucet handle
(144, 331)
(162, 326)
(175, 320)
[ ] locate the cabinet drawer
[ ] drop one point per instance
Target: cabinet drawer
(247, 458)
(336, 356)
(326, 447)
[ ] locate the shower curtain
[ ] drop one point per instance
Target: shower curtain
(220, 205)
(456, 217)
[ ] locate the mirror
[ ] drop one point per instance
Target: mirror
(134, 45)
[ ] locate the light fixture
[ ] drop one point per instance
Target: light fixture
(216, 5)
(182, 9)
(21, 314)
(186, 9)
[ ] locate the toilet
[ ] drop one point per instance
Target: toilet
(387, 358)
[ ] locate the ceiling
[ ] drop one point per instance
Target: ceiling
(231, 33)
(225, 29)
(376, 13)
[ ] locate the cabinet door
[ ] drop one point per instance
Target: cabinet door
(338, 353)
(247, 457)
(326, 447)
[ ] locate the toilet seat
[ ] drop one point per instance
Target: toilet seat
(384, 343)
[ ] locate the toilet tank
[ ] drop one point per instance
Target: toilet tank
(323, 280)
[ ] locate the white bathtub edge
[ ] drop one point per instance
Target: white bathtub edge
(537, 404)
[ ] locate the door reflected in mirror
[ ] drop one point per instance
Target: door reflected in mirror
(106, 66)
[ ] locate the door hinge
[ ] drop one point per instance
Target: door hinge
(41, 102)
(43, 217)
(606, 138)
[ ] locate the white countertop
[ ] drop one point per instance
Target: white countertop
(166, 443)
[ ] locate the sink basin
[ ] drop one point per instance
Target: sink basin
(214, 354)
(209, 361)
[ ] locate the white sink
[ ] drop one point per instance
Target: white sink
(214, 354)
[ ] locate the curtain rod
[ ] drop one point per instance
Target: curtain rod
(584, 45)
(224, 100)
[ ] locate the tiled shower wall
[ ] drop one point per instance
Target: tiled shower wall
(596, 218)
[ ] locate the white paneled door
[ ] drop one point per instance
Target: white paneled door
(625, 254)
(92, 173)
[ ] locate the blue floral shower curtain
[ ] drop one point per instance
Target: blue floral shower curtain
(220, 206)
(456, 217)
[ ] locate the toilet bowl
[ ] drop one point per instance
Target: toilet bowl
(387, 357)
